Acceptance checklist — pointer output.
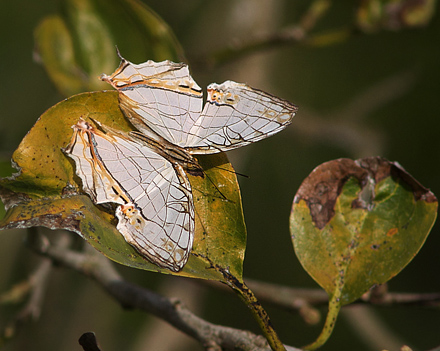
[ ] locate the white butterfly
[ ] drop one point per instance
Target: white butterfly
(156, 210)
(145, 172)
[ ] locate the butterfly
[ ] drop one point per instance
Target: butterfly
(144, 171)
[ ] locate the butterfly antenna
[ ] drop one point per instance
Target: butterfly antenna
(118, 53)
(235, 172)
(216, 187)
(228, 170)
(223, 197)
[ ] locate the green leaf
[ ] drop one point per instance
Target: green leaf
(79, 44)
(48, 193)
(361, 221)
(356, 224)
(55, 47)
(373, 15)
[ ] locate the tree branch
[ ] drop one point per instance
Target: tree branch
(211, 336)
(290, 35)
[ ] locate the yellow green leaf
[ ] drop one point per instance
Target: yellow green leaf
(79, 44)
(356, 224)
(56, 52)
(48, 193)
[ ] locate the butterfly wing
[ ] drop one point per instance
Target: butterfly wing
(164, 98)
(156, 210)
(236, 115)
(161, 96)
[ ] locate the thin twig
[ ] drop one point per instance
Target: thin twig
(287, 297)
(348, 127)
(371, 328)
(296, 34)
(35, 286)
(239, 48)
(294, 299)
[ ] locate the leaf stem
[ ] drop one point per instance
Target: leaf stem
(261, 316)
(334, 306)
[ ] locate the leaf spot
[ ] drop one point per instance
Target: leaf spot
(392, 232)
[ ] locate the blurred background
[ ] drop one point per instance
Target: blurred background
(365, 75)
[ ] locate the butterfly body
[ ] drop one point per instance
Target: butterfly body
(173, 153)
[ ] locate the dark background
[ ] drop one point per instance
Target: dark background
(372, 94)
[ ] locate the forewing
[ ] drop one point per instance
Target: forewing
(161, 96)
(97, 182)
(236, 115)
(156, 212)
